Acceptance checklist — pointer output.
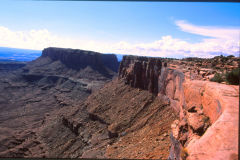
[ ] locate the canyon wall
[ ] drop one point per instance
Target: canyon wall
(207, 127)
(141, 72)
(152, 74)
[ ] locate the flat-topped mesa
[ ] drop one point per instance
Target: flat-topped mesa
(78, 59)
(141, 72)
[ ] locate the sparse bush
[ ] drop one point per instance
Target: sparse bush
(217, 78)
(230, 56)
(233, 77)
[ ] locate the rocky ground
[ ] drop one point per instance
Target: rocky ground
(204, 69)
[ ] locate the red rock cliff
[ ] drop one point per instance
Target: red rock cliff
(207, 127)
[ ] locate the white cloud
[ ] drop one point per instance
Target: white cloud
(221, 41)
(215, 32)
(40, 39)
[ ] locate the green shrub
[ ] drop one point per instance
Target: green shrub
(217, 78)
(233, 77)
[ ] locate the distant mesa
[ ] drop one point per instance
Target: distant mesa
(78, 59)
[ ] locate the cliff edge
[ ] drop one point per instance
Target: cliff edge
(207, 127)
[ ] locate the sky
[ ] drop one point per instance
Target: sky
(157, 29)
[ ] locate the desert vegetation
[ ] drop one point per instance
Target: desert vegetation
(231, 77)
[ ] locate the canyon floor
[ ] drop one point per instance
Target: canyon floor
(82, 104)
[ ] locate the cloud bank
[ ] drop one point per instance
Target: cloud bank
(218, 41)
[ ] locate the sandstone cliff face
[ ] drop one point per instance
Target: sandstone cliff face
(207, 127)
(208, 122)
(170, 84)
(220, 103)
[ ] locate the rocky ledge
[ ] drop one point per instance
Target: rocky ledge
(209, 127)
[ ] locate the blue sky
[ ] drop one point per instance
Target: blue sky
(167, 29)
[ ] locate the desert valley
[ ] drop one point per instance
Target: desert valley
(71, 103)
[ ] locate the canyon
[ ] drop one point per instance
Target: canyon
(82, 104)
